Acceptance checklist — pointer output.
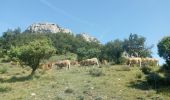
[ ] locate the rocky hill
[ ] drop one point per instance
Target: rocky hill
(87, 37)
(54, 28)
(46, 28)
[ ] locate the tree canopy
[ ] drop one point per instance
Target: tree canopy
(164, 49)
(135, 45)
(32, 53)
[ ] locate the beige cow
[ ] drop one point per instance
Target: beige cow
(104, 62)
(92, 61)
(74, 63)
(63, 63)
(46, 66)
(151, 61)
(134, 61)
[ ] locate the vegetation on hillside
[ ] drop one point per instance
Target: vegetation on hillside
(68, 42)
(29, 49)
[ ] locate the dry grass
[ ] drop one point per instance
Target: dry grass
(117, 83)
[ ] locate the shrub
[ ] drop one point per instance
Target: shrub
(5, 89)
(165, 68)
(138, 75)
(69, 90)
(96, 72)
(155, 80)
(98, 98)
(6, 59)
(1, 53)
(58, 98)
(3, 70)
(146, 69)
(80, 97)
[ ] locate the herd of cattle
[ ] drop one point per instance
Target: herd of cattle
(68, 63)
(141, 61)
(94, 62)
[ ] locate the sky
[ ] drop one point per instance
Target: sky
(104, 19)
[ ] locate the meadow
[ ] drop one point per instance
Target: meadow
(110, 82)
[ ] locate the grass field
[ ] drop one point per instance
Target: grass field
(116, 82)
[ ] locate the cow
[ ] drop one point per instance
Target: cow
(74, 63)
(133, 61)
(63, 63)
(92, 61)
(150, 61)
(104, 62)
(46, 66)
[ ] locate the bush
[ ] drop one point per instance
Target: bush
(1, 53)
(165, 68)
(98, 98)
(146, 69)
(139, 75)
(96, 72)
(3, 70)
(155, 80)
(69, 90)
(58, 98)
(6, 59)
(5, 89)
(80, 97)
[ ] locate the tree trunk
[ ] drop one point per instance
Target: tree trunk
(33, 71)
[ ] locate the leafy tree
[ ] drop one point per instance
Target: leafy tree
(112, 51)
(32, 53)
(83, 53)
(135, 46)
(8, 38)
(164, 49)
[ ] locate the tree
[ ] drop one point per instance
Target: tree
(164, 49)
(83, 53)
(8, 39)
(112, 51)
(32, 53)
(135, 46)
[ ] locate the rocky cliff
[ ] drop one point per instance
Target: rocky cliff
(87, 37)
(54, 28)
(46, 28)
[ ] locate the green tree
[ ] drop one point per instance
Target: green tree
(135, 45)
(8, 39)
(32, 53)
(112, 51)
(164, 49)
(83, 53)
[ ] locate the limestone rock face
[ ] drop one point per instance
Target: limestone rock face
(54, 28)
(46, 28)
(87, 37)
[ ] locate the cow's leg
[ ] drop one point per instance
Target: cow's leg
(93, 65)
(129, 63)
(68, 66)
(140, 63)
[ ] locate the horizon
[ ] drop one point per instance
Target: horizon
(105, 20)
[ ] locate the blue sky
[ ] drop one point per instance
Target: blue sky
(104, 19)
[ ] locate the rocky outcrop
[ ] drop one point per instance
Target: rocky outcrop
(46, 28)
(87, 37)
(54, 28)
